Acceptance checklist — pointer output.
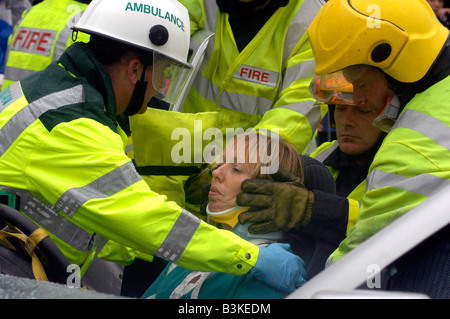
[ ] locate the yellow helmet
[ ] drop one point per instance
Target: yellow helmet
(402, 38)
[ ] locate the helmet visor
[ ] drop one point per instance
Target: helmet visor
(332, 88)
(169, 77)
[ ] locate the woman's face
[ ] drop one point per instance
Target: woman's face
(226, 184)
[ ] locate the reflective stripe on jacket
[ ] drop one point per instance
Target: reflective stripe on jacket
(40, 37)
(61, 152)
(411, 165)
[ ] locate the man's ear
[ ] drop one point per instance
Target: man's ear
(134, 70)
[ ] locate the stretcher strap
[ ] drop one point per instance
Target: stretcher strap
(29, 244)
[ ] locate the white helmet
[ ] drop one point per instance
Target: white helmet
(160, 26)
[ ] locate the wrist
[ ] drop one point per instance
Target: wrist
(308, 210)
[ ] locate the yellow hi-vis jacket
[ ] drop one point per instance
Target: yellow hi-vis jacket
(62, 153)
(354, 198)
(40, 37)
(265, 86)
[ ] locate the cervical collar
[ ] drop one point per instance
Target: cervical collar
(228, 216)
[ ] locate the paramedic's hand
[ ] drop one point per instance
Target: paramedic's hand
(197, 186)
(279, 268)
(283, 204)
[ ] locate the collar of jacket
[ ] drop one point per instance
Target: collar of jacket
(437, 72)
(238, 8)
(79, 60)
(258, 239)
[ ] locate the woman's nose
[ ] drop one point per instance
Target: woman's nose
(216, 172)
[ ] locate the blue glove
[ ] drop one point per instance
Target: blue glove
(279, 268)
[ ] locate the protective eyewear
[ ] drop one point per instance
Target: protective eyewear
(169, 77)
(332, 89)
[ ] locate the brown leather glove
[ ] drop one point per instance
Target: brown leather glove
(283, 204)
(197, 186)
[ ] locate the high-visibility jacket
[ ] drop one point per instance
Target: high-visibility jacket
(411, 165)
(62, 153)
(355, 197)
(265, 86)
(40, 37)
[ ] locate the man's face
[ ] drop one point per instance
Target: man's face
(354, 129)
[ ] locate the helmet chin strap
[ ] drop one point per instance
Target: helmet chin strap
(137, 99)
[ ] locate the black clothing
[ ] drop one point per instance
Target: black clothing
(351, 172)
(323, 234)
(244, 21)
(328, 225)
(315, 242)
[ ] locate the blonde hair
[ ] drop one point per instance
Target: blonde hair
(264, 155)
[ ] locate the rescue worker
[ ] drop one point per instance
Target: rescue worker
(62, 152)
(412, 55)
(349, 156)
(41, 36)
(255, 73)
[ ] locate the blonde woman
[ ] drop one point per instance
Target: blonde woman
(247, 156)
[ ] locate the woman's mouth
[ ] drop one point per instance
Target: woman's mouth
(213, 191)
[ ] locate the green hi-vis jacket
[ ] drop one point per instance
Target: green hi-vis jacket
(265, 86)
(62, 153)
(355, 197)
(411, 165)
(40, 37)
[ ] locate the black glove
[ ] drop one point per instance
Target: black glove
(283, 204)
(196, 187)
